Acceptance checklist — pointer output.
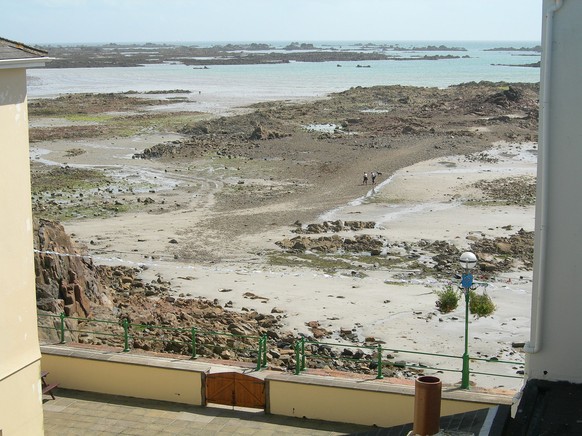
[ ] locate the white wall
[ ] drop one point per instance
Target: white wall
(556, 342)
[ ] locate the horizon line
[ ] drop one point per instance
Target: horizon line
(260, 41)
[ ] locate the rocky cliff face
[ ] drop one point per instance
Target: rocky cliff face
(65, 281)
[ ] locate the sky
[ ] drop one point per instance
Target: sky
(104, 21)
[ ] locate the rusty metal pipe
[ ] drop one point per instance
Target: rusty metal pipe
(427, 406)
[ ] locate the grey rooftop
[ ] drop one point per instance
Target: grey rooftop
(12, 50)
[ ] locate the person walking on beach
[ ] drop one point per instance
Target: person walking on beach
(365, 182)
(374, 174)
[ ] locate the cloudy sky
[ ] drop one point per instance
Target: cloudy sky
(89, 21)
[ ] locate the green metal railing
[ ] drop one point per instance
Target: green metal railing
(377, 357)
(129, 332)
(379, 361)
(301, 355)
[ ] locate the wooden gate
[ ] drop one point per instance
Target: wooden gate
(235, 389)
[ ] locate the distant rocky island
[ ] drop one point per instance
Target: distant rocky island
(532, 65)
(434, 48)
(537, 49)
(135, 55)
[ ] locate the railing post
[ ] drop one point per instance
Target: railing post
(297, 359)
(264, 351)
(260, 354)
(125, 335)
(380, 375)
(303, 353)
(193, 342)
(62, 327)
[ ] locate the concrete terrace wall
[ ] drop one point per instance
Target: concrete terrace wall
(357, 402)
(183, 381)
(127, 375)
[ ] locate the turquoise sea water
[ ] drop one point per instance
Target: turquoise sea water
(242, 84)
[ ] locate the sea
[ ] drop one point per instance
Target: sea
(219, 87)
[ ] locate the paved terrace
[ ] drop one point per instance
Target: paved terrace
(86, 413)
(79, 412)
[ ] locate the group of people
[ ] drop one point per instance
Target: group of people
(373, 175)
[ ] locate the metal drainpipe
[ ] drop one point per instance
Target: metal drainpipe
(534, 345)
(427, 406)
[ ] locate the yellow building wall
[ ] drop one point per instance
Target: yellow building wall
(356, 406)
(127, 379)
(20, 404)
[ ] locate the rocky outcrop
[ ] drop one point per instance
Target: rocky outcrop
(506, 97)
(261, 133)
(504, 253)
(334, 226)
(65, 280)
(494, 255)
(334, 243)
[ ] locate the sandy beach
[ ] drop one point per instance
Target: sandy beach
(187, 236)
(384, 305)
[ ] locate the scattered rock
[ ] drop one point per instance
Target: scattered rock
(254, 297)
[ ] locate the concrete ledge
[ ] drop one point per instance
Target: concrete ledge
(127, 358)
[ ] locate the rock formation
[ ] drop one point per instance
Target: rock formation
(65, 280)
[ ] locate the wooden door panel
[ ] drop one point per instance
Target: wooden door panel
(220, 388)
(249, 391)
(235, 389)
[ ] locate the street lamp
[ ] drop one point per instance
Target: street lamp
(468, 261)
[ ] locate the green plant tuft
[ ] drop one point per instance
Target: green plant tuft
(448, 299)
(480, 304)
